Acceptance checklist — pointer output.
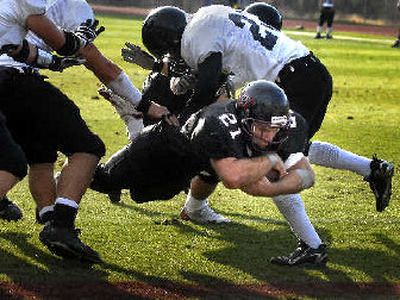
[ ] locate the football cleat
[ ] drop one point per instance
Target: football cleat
(203, 215)
(318, 36)
(380, 181)
(329, 36)
(46, 217)
(64, 242)
(396, 44)
(303, 254)
(9, 211)
(114, 196)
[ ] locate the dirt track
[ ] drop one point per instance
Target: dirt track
(171, 290)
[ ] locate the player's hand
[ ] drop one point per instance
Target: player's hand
(135, 55)
(60, 63)
(277, 164)
(157, 111)
(8, 49)
(181, 85)
(88, 31)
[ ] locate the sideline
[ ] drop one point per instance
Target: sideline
(341, 37)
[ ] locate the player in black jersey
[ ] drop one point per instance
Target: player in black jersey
(239, 143)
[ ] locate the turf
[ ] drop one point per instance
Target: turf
(149, 243)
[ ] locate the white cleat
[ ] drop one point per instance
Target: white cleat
(203, 215)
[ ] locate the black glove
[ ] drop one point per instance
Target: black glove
(135, 55)
(88, 31)
(59, 63)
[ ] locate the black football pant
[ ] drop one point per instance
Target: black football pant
(154, 166)
(42, 120)
(308, 86)
(327, 15)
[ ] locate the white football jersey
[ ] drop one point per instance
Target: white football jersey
(67, 15)
(327, 3)
(78, 12)
(13, 15)
(251, 50)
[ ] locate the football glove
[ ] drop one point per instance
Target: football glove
(60, 63)
(181, 85)
(135, 55)
(88, 31)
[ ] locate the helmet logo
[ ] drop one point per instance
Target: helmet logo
(279, 121)
(245, 101)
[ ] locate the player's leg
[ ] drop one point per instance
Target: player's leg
(13, 167)
(329, 23)
(62, 129)
(197, 208)
(310, 248)
(376, 171)
(322, 19)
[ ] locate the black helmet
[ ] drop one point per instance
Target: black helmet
(264, 102)
(266, 13)
(162, 30)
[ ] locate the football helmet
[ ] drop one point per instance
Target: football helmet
(266, 13)
(263, 102)
(162, 30)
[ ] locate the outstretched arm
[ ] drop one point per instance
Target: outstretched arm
(239, 173)
(299, 177)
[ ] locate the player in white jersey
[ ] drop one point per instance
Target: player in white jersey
(220, 39)
(44, 191)
(327, 15)
(42, 120)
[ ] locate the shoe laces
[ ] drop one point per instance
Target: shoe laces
(208, 213)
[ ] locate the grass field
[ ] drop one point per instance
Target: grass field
(149, 244)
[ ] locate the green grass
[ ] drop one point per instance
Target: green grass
(364, 246)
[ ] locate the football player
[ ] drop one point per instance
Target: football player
(327, 15)
(235, 142)
(42, 120)
(218, 39)
(397, 42)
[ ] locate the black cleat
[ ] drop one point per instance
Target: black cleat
(303, 254)
(46, 217)
(64, 242)
(115, 196)
(329, 36)
(396, 44)
(318, 36)
(380, 181)
(9, 211)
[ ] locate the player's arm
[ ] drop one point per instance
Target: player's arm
(209, 72)
(299, 177)
(238, 173)
(115, 79)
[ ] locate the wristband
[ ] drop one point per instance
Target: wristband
(273, 158)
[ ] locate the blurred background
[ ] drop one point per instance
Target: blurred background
(378, 12)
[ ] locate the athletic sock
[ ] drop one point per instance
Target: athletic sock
(331, 156)
(292, 208)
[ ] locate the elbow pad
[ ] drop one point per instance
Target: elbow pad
(72, 44)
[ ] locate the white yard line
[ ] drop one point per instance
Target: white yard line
(341, 37)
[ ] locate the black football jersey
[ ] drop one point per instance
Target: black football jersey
(215, 133)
